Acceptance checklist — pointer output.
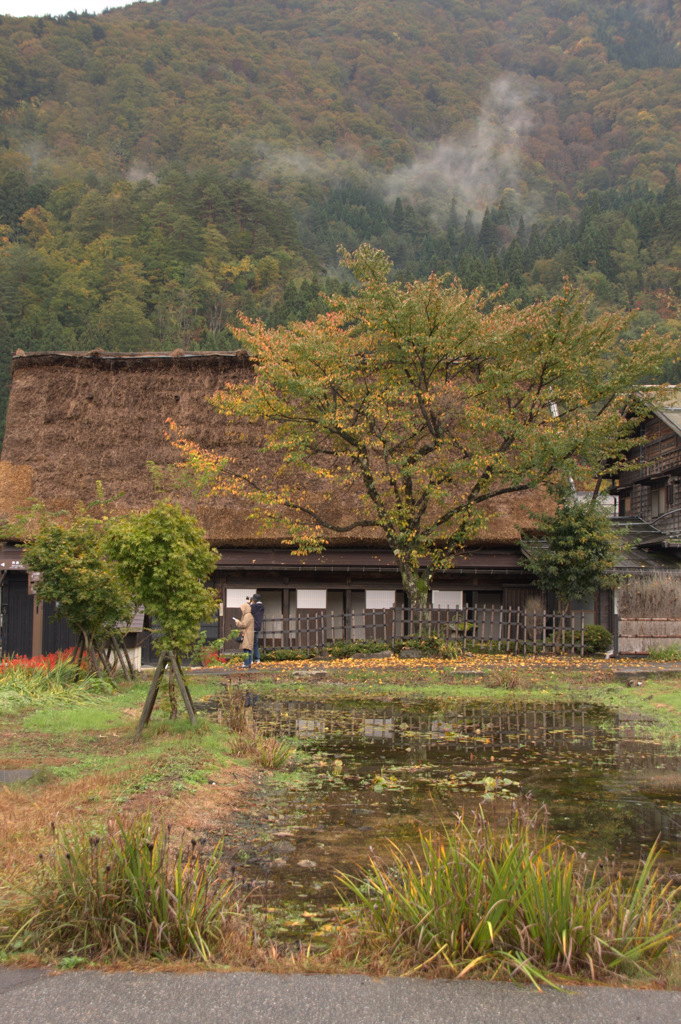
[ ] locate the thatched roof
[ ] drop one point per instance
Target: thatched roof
(78, 418)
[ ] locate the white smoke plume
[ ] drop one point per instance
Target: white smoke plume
(140, 172)
(475, 169)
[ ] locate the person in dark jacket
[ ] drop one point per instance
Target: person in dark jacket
(258, 612)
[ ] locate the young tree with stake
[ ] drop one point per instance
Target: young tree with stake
(165, 560)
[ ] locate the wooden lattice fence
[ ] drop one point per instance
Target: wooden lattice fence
(472, 627)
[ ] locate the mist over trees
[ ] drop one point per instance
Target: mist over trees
(166, 165)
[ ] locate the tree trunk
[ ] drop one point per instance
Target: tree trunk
(416, 585)
(91, 657)
(126, 655)
(172, 696)
(77, 656)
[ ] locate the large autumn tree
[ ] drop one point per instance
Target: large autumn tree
(415, 405)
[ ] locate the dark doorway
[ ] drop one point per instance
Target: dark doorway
(17, 616)
(57, 636)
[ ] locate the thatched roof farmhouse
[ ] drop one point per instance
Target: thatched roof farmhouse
(76, 419)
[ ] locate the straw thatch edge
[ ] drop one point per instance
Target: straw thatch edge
(78, 418)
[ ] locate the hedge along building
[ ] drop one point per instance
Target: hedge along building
(76, 419)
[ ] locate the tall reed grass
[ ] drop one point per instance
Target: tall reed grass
(236, 713)
(124, 895)
(267, 751)
(234, 709)
(517, 901)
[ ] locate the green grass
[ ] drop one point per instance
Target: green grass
(76, 741)
(97, 717)
(64, 684)
(672, 652)
(516, 901)
(181, 769)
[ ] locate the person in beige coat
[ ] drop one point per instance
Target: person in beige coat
(247, 627)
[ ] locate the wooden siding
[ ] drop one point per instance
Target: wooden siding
(17, 616)
(604, 610)
(57, 636)
(655, 465)
(638, 636)
(658, 454)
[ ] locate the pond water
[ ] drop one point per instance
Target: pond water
(381, 773)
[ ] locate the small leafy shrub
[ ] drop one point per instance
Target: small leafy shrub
(287, 654)
(126, 894)
(672, 652)
(208, 653)
(517, 901)
(431, 645)
(426, 644)
(597, 640)
(505, 679)
(489, 647)
(449, 649)
(462, 629)
(346, 648)
(213, 659)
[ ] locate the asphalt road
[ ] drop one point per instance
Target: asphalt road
(95, 997)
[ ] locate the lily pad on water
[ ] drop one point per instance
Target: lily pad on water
(382, 782)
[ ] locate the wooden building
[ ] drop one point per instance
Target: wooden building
(650, 492)
(648, 501)
(76, 419)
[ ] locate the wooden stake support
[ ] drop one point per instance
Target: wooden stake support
(102, 659)
(170, 662)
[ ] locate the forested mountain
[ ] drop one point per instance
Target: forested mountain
(167, 164)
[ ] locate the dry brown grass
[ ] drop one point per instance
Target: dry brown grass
(651, 597)
(27, 816)
(209, 807)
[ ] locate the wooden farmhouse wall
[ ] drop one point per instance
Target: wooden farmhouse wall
(639, 636)
(651, 489)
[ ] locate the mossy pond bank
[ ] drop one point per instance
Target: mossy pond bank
(378, 773)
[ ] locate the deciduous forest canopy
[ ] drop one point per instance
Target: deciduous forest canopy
(167, 164)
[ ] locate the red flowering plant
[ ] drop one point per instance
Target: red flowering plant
(43, 661)
(48, 679)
